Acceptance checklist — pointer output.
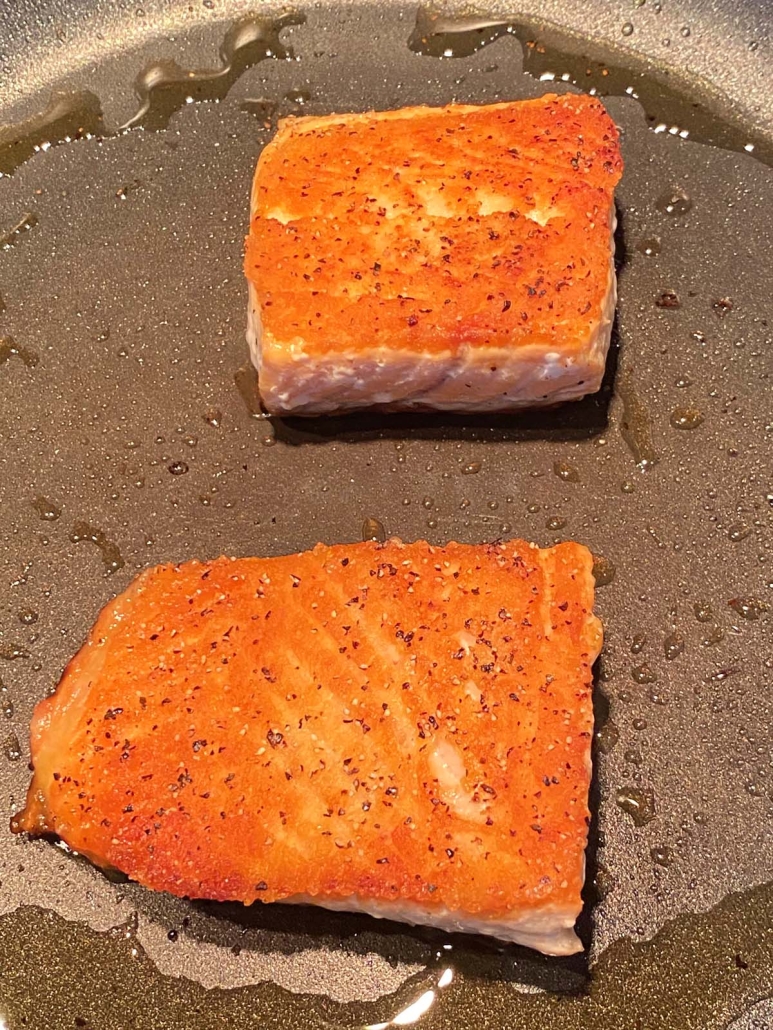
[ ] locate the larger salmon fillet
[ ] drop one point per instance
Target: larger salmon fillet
(397, 729)
(456, 258)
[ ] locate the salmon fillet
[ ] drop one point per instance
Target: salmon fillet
(396, 729)
(455, 258)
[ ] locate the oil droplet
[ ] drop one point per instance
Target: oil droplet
(428, 502)
(67, 117)
(557, 523)
(213, 417)
(432, 523)
(27, 617)
(111, 556)
(638, 643)
(178, 468)
(632, 757)
(674, 201)
(165, 87)
(643, 674)
(27, 221)
(162, 87)
(649, 247)
(635, 425)
(6, 704)
(720, 675)
(749, 608)
(662, 855)
(686, 418)
(472, 469)
(263, 110)
(713, 636)
(628, 488)
(739, 531)
(627, 29)
(607, 737)
(639, 803)
(668, 299)
(10, 652)
(639, 724)
(127, 930)
(703, 611)
(673, 646)
(47, 510)
(246, 379)
(12, 748)
(10, 348)
(604, 882)
(446, 36)
(603, 570)
(298, 97)
(567, 472)
(123, 192)
(372, 529)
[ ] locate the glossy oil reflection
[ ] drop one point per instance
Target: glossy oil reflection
(549, 55)
(162, 88)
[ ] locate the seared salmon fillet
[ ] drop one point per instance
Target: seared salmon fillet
(398, 729)
(456, 258)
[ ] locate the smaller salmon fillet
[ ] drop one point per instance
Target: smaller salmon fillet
(396, 729)
(456, 258)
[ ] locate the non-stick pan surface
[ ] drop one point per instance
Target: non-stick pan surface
(129, 435)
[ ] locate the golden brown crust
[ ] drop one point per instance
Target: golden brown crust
(428, 230)
(397, 722)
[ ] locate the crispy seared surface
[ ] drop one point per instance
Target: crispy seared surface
(432, 229)
(395, 722)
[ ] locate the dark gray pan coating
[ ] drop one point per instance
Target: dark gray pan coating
(125, 440)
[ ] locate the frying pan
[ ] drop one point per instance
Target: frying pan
(130, 434)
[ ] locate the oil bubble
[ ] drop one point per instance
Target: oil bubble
(673, 646)
(603, 570)
(674, 201)
(650, 246)
(668, 299)
(638, 803)
(565, 471)
(372, 529)
(643, 674)
(662, 855)
(686, 418)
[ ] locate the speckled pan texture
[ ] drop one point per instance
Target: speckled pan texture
(130, 434)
